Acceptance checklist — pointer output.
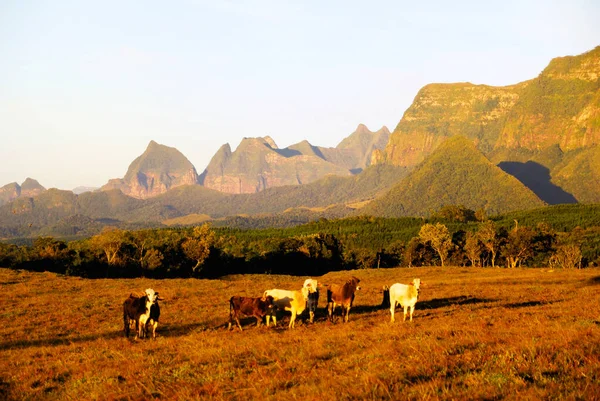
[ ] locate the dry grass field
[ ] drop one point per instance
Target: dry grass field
(477, 334)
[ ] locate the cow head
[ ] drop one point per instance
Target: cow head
(151, 295)
(355, 282)
(416, 283)
(311, 285)
(270, 303)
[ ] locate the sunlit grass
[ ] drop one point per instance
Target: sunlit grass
(476, 334)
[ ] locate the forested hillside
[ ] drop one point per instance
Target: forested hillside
(455, 174)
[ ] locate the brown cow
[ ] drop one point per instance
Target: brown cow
(257, 307)
(341, 295)
(137, 310)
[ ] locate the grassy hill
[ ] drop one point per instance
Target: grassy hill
(579, 174)
(455, 174)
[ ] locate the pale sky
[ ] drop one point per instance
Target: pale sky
(86, 85)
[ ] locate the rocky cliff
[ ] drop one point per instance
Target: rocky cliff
(157, 170)
(28, 189)
(258, 163)
(559, 107)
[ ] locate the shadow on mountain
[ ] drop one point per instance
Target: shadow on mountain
(288, 152)
(537, 178)
(202, 177)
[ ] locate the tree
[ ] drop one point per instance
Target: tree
(413, 252)
(197, 246)
(454, 213)
(473, 249)
(519, 246)
(568, 253)
(50, 248)
(145, 243)
(109, 242)
(566, 257)
(489, 238)
(438, 237)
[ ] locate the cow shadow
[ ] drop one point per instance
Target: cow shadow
(516, 305)
(437, 303)
(166, 330)
(58, 340)
(178, 330)
(595, 280)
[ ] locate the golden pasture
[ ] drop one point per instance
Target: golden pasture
(476, 334)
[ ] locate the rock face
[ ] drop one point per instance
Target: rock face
(28, 189)
(157, 170)
(440, 111)
(258, 163)
(559, 107)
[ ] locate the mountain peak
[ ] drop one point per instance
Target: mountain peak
(158, 169)
(31, 185)
(362, 128)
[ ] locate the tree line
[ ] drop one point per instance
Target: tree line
(454, 236)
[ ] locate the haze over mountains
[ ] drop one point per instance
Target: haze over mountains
(493, 148)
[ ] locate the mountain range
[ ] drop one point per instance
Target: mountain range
(493, 148)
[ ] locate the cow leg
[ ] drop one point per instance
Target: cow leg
(126, 324)
(330, 308)
(230, 320)
(405, 311)
(237, 320)
(347, 314)
(311, 315)
(140, 327)
(154, 325)
(292, 319)
(392, 310)
(269, 316)
(258, 320)
(412, 309)
(137, 328)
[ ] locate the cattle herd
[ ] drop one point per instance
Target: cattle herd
(143, 312)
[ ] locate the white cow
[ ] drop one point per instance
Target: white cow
(291, 301)
(404, 295)
(313, 297)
